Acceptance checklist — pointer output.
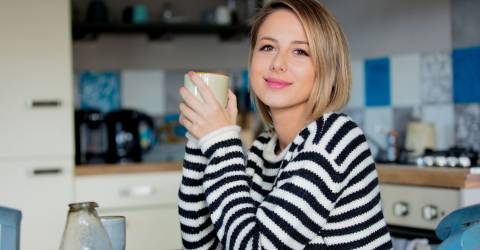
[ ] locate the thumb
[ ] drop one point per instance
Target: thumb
(232, 104)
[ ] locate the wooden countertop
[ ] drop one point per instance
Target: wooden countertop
(428, 176)
(129, 168)
(387, 173)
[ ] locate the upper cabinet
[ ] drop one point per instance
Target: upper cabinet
(36, 104)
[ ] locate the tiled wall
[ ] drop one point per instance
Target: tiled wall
(439, 87)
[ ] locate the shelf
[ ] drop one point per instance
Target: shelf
(89, 31)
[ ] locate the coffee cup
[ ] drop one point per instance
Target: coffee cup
(218, 84)
(115, 227)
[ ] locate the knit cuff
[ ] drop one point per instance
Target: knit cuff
(221, 134)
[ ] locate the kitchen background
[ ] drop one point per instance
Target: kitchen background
(413, 61)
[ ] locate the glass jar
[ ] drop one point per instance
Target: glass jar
(84, 230)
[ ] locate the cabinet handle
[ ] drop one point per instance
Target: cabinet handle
(47, 171)
(138, 191)
(44, 103)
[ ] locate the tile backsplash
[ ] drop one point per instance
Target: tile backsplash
(438, 87)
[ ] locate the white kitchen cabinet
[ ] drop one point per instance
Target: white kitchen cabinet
(36, 124)
(36, 97)
(147, 200)
(41, 189)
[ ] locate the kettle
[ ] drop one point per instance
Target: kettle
(130, 135)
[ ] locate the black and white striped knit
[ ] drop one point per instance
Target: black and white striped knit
(321, 193)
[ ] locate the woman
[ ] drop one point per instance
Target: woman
(309, 181)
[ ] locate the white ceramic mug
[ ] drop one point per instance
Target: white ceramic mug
(218, 84)
(115, 227)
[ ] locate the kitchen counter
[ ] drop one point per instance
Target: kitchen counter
(428, 176)
(128, 168)
(388, 173)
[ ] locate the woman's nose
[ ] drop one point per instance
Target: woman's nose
(279, 63)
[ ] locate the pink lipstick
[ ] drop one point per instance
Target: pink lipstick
(277, 83)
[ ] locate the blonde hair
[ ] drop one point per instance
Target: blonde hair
(329, 52)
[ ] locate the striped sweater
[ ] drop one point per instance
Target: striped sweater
(321, 193)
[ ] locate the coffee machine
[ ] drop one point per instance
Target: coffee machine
(130, 135)
(91, 142)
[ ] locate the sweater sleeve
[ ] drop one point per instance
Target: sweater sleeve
(196, 226)
(291, 215)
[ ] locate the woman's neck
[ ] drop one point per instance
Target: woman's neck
(287, 123)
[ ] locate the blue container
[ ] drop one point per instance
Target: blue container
(10, 228)
(140, 13)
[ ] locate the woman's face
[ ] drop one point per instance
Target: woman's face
(282, 74)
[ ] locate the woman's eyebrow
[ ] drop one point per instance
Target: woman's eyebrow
(276, 41)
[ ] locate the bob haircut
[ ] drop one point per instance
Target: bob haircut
(328, 49)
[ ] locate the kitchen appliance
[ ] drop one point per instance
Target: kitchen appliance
(91, 142)
(130, 135)
(420, 136)
(454, 157)
(415, 200)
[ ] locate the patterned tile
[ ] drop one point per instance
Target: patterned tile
(466, 75)
(401, 118)
(436, 77)
(378, 122)
(467, 125)
(405, 72)
(357, 96)
(100, 90)
(442, 117)
(144, 90)
(377, 82)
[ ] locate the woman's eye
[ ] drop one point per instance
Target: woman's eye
(266, 48)
(300, 52)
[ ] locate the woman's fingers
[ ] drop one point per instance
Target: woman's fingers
(188, 113)
(186, 123)
(190, 100)
(205, 92)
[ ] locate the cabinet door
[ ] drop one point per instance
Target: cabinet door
(147, 200)
(36, 104)
(42, 190)
(150, 228)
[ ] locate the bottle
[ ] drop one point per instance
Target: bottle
(84, 230)
(392, 146)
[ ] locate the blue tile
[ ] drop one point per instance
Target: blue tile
(466, 75)
(377, 82)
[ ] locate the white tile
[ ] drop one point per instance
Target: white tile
(442, 117)
(405, 80)
(357, 96)
(144, 90)
(378, 122)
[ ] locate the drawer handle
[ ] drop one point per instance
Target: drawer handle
(47, 171)
(138, 191)
(44, 103)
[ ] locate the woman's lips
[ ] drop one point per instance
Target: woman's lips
(277, 83)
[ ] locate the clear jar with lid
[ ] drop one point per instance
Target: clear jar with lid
(84, 230)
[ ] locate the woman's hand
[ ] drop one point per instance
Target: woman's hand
(201, 118)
